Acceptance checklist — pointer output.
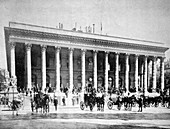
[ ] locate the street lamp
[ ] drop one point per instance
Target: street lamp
(13, 81)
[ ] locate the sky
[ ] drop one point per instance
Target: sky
(137, 19)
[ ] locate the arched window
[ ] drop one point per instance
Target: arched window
(100, 82)
(79, 85)
(90, 63)
(110, 82)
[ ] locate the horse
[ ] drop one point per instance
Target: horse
(45, 103)
(89, 98)
(41, 101)
(115, 99)
(100, 101)
(129, 102)
(16, 105)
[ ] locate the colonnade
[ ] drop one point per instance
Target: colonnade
(83, 74)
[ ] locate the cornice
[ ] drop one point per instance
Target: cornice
(98, 42)
(46, 29)
(80, 45)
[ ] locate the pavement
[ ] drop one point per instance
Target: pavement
(26, 109)
(150, 117)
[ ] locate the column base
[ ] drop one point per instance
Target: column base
(60, 96)
(13, 93)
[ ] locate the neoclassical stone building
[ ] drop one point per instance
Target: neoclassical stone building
(44, 56)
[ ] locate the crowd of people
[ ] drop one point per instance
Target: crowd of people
(89, 92)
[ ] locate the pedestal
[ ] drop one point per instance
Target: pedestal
(12, 93)
(60, 96)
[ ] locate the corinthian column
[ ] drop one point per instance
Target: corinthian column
(12, 47)
(141, 78)
(136, 72)
(95, 69)
(154, 74)
(162, 74)
(117, 71)
(71, 69)
(43, 53)
(83, 56)
(57, 68)
(145, 74)
(127, 74)
(28, 53)
(106, 71)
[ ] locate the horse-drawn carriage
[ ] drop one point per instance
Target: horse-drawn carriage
(165, 101)
(40, 100)
(11, 99)
(100, 100)
(89, 98)
(152, 99)
(130, 100)
(114, 99)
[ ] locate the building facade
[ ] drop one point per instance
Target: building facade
(45, 57)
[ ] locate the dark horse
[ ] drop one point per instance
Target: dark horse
(129, 102)
(100, 101)
(40, 101)
(89, 98)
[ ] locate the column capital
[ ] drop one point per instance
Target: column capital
(57, 47)
(83, 50)
(12, 44)
(146, 56)
(107, 52)
(154, 57)
(43, 48)
(28, 46)
(136, 56)
(95, 51)
(117, 53)
(162, 59)
(127, 54)
(71, 49)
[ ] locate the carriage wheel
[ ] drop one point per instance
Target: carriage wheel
(129, 107)
(152, 104)
(162, 104)
(167, 104)
(134, 104)
(126, 106)
(119, 106)
(102, 107)
(109, 105)
(156, 104)
(91, 106)
(82, 105)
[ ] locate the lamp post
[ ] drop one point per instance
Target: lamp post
(13, 100)
(13, 81)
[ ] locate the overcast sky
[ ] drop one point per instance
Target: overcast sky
(137, 19)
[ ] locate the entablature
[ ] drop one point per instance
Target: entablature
(51, 36)
(84, 45)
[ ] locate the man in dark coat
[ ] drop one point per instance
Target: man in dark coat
(140, 104)
(55, 102)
